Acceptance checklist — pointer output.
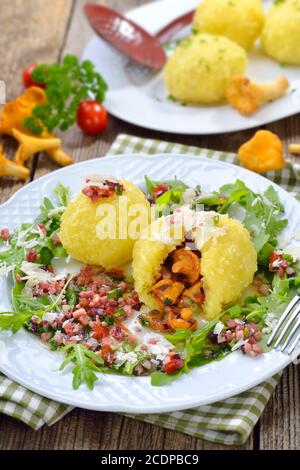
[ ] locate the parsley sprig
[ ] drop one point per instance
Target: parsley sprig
(67, 84)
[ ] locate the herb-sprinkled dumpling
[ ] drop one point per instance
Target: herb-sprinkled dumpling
(88, 238)
(281, 35)
(201, 67)
(190, 263)
(241, 21)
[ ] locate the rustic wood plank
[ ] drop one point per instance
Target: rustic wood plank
(83, 429)
(80, 146)
(280, 423)
(29, 34)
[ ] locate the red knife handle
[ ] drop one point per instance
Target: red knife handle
(169, 31)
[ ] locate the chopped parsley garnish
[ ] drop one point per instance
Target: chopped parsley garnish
(115, 293)
(118, 191)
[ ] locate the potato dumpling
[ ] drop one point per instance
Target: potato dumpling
(239, 20)
(201, 67)
(281, 35)
(164, 275)
(79, 231)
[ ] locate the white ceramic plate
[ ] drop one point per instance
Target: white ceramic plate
(147, 105)
(26, 360)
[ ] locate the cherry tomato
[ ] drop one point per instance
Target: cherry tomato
(275, 257)
(105, 353)
(160, 190)
(27, 77)
(100, 331)
(92, 117)
(174, 363)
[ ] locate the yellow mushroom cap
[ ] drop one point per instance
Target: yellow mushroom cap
(263, 152)
(14, 113)
(30, 145)
(9, 168)
(12, 120)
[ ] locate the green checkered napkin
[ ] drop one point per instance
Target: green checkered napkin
(228, 422)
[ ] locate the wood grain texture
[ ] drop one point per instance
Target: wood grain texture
(29, 33)
(280, 423)
(48, 37)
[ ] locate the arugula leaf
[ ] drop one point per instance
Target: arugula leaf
(17, 292)
(45, 208)
(86, 363)
(55, 251)
(71, 297)
(46, 256)
(150, 185)
(283, 290)
(210, 200)
(63, 194)
(15, 320)
(263, 213)
(174, 184)
(232, 312)
(26, 303)
(159, 379)
(196, 342)
(272, 195)
(173, 196)
(177, 184)
(129, 366)
(181, 335)
(14, 256)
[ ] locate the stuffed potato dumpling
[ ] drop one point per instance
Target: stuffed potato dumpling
(197, 264)
(83, 229)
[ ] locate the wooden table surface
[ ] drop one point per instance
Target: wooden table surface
(43, 31)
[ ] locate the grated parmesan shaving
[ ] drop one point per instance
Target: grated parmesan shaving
(34, 273)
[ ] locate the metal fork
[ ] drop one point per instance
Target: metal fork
(288, 328)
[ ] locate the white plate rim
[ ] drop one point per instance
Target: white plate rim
(161, 125)
(284, 359)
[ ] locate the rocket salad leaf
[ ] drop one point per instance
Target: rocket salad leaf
(262, 213)
(85, 362)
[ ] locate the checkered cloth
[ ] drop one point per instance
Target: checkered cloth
(228, 422)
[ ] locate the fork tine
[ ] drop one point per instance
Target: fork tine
(287, 327)
(283, 317)
(291, 334)
(294, 344)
